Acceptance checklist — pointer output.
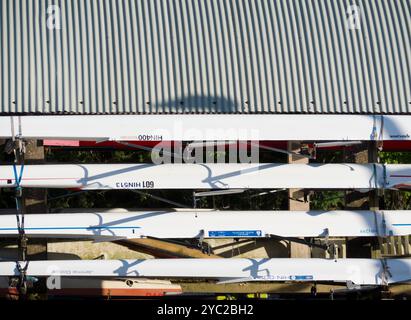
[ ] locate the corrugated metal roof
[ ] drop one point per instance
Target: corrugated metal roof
(211, 56)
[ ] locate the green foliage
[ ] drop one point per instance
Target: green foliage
(260, 199)
(248, 200)
(396, 200)
(395, 157)
(327, 200)
(329, 156)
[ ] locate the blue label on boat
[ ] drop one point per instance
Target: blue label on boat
(304, 277)
(235, 234)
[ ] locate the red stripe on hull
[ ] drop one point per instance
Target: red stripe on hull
(387, 145)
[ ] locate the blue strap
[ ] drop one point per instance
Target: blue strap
(17, 178)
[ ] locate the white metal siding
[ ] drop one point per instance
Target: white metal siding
(205, 56)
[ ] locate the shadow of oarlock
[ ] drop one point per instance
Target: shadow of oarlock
(101, 226)
(85, 181)
(97, 231)
(254, 268)
(124, 270)
(212, 180)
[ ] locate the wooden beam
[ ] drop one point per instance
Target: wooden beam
(403, 290)
(296, 202)
(260, 287)
(34, 200)
(164, 249)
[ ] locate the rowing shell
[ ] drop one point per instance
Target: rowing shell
(208, 127)
(357, 271)
(210, 224)
(208, 176)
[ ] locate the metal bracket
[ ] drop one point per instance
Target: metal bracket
(201, 237)
(326, 247)
(298, 200)
(17, 145)
(266, 192)
(319, 145)
(203, 246)
(314, 289)
(330, 248)
(22, 283)
(297, 240)
(385, 274)
(218, 192)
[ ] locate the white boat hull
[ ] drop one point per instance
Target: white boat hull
(357, 271)
(209, 176)
(211, 224)
(209, 127)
